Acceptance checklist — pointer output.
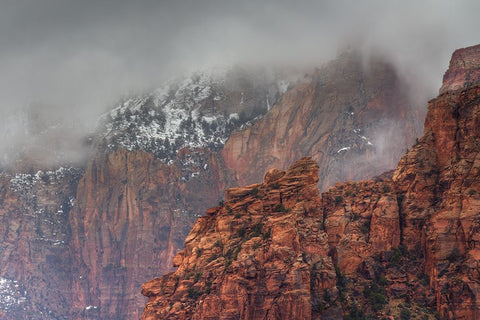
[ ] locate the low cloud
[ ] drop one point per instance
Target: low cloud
(68, 61)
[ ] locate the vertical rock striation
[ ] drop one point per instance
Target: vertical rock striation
(402, 245)
(354, 119)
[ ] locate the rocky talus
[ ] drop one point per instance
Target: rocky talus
(400, 246)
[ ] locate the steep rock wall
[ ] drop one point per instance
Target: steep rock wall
(401, 245)
(354, 119)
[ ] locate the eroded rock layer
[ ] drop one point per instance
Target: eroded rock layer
(354, 118)
(464, 70)
(402, 245)
(79, 246)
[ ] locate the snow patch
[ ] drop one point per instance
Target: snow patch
(24, 182)
(10, 294)
(343, 149)
(181, 114)
(91, 307)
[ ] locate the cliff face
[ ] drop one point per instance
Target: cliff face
(401, 245)
(132, 216)
(464, 69)
(163, 158)
(253, 257)
(438, 184)
(34, 233)
(353, 118)
(132, 204)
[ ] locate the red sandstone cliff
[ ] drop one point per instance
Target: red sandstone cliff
(132, 215)
(464, 69)
(401, 245)
(132, 211)
(34, 235)
(131, 204)
(353, 118)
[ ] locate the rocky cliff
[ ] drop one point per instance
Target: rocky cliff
(464, 69)
(34, 236)
(353, 117)
(402, 245)
(160, 159)
(145, 199)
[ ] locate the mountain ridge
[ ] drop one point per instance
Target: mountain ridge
(401, 245)
(132, 209)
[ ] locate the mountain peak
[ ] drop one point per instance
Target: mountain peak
(464, 69)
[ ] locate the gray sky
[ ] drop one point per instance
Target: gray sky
(73, 59)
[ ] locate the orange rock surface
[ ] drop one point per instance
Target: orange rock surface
(464, 70)
(356, 121)
(401, 245)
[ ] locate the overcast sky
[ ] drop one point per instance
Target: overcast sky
(76, 58)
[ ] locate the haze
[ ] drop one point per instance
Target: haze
(65, 62)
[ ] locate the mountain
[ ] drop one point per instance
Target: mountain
(159, 160)
(352, 116)
(402, 245)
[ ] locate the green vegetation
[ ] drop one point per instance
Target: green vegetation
(318, 307)
(341, 283)
(405, 314)
(194, 294)
(212, 257)
(375, 293)
(355, 314)
(398, 253)
(208, 287)
(267, 234)
(365, 227)
(280, 208)
(197, 276)
(231, 255)
(338, 199)
(242, 232)
(257, 230)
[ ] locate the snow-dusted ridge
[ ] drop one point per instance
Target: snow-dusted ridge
(198, 111)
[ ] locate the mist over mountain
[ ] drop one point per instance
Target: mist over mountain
(65, 63)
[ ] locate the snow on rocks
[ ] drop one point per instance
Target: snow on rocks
(10, 294)
(198, 111)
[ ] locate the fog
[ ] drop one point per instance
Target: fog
(65, 62)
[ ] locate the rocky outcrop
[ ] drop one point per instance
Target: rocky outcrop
(253, 257)
(403, 245)
(464, 70)
(159, 164)
(131, 203)
(277, 250)
(353, 118)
